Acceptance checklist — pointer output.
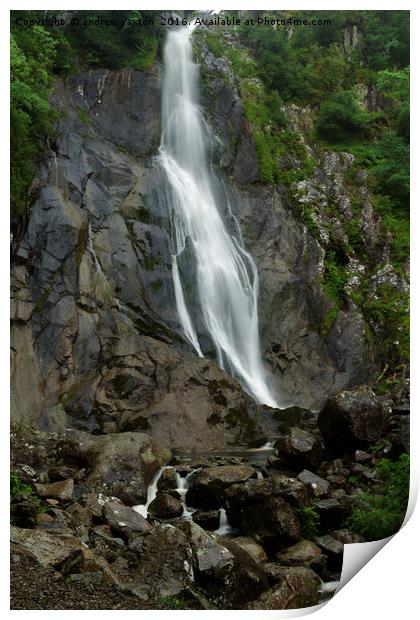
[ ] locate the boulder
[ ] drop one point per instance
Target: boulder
(258, 508)
(304, 552)
(62, 490)
(207, 487)
(164, 506)
(124, 519)
(317, 485)
(120, 464)
(298, 447)
(352, 419)
(298, 587)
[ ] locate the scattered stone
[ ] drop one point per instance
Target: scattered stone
(318, 486)
(164, 506)
(297, 588)
(62, 490)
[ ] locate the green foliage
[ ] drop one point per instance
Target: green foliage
(379, 515)
(392, 174)
(341, 118)
(17, 486)
(32, 53)
(310, 520)
(173, 602)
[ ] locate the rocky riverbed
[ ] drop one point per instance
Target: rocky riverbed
(120, 521)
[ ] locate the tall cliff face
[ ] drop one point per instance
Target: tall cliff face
(95, 336)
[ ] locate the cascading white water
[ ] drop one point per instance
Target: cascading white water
(227, 279)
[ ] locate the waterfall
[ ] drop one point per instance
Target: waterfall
(226, 275)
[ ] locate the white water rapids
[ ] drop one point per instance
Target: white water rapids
(226, 275)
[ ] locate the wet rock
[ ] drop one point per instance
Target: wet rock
(318, 486)
(62, 490)
(299, 447)
(258, 508)
(168, 480)
(253, 548)
(352, 419)
(297, 588)
(304, 552)
(207, 519)
(124, 519)
(164, 506)
(208, 486)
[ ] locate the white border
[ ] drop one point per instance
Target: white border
(387, 585)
